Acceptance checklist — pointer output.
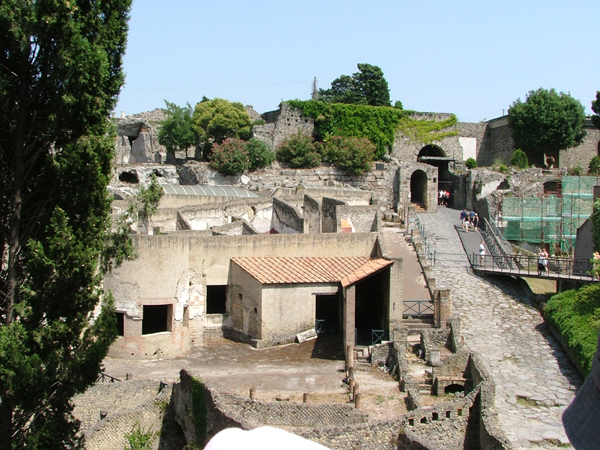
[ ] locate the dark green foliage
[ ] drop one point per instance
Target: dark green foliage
(351, 154)
(519, 159)
(60, 74)
(216, 120)
(146, 202)
(594, 166)
(230, 157)
(576, 315)
(470, 163)
(596, 109)
(596, 225)
(176, 132)
(299, 150)
(546, 123)
(259, 153)
(377, 124)
(199, 410)
(365, 87)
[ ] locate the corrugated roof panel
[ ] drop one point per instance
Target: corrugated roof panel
(216, 191)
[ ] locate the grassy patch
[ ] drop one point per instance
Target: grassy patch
(576, 316)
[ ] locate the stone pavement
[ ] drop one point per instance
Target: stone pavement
(534, 379)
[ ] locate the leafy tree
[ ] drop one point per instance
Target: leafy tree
(594, 166)
(176, 132)
(216, 120)
(365, 87)
(60, 74)
(259, 153)
(230, 157)
(596, 109)
(351, 154)
(519, 159)
(546, 123)
(299, 150)
(471, 163)
(146, 202)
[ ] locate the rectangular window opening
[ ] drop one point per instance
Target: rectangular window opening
(120, 324)
(157, 318)
(216, 299)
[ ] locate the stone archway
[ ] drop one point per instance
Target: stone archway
(436, 156)
(418, 188)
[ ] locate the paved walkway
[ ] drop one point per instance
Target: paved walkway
(534, 379)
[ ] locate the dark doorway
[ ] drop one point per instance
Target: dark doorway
(157, 318)
(435, 156)
(371, 310)
(418, 188)
(120, 324)
(327, 313)
(216, 299)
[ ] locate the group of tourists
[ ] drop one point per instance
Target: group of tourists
(469, 219)
(443, 197)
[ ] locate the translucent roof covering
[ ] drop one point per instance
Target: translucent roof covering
(328, 188)
(216, 191)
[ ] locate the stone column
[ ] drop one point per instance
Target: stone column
(349, 316)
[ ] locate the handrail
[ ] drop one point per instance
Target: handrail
(429, 253)
(106, 378)
(494, 240)
(578, 269)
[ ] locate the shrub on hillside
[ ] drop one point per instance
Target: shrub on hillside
(351, 154)
(519, 159)
(299, 150)
(594, 167)
(230, 157)
(576, 316)
(259, 153)
(470, 163)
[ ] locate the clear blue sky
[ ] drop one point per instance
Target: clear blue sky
(471, 58)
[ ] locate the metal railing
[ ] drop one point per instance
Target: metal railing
(106, 378)
(524, 265)
(418, 308)
(428, 251)
(326, 326)
(377, 336)
(496, 243)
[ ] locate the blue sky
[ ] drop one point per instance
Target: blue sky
(471, 58)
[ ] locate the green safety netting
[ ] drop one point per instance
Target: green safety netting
(552, 219)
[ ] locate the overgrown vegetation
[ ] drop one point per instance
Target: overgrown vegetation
(368, 86)
(426, 131)
(351, 154)
(470, 163)
(176, 132)
(576, 315)
(140, 438)
(594, 166)
(519, 159)
(234, 156)
(299, 150)
(230, 157)
(545, 123)
(378, 124)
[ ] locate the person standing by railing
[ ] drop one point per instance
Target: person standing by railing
(482, 254)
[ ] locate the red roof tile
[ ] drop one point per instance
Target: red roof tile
(284, 270)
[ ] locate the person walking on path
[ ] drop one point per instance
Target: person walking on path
(463, 218)
(482, 254)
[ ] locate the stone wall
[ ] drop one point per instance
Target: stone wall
(286, 217)
(175, 269)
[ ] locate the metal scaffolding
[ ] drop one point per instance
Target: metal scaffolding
(549, 219)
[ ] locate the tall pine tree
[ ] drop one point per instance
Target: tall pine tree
(60, 74)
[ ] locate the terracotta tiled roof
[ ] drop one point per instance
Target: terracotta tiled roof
(285, 270)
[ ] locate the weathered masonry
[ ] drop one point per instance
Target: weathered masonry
(188, 286)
